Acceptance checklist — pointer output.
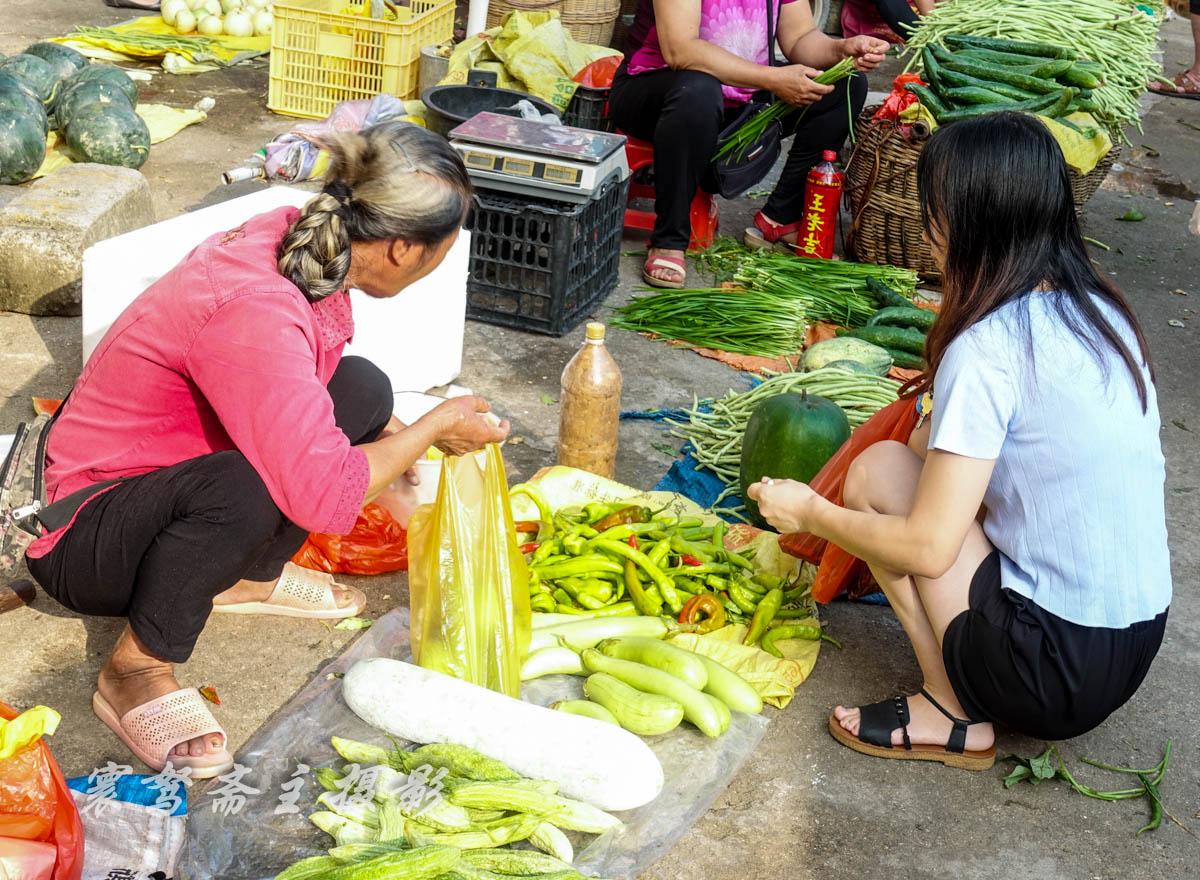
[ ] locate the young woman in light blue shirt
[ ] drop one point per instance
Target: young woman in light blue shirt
(1021, 537)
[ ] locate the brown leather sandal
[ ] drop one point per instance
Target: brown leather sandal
(878, 720)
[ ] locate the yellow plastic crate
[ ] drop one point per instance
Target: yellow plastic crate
(321, 56)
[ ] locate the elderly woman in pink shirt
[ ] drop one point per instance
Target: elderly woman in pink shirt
(217, 424)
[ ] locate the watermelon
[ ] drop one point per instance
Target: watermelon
(18, 99)
(35, 73)
(790, 437)
(84, 94)
(65, 60)
(109, 135)
(105, 73)
(22, 132)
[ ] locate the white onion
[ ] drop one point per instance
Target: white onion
(228, 6)
(197, 6)
(239, 24)
(171, 8)
(185, 21)
(263, 22)
(213, 7)
(211, 26)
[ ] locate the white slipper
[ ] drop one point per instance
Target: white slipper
(153, 729)
(301, 592)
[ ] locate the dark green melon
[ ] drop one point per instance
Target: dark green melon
(18, 99)
(65, 60)
(84, 94)
(105, 73)
(790, 437)
(35, 73)
(108, 135)
(22, 137)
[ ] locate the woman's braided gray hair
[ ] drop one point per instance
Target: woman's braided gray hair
(391, 181)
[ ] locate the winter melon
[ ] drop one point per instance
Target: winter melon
(846, 348)
(108, 135)
(35, 73)
(17, 98)
(81, 95)
(790, 437)
(105, 73)
(22, 132)
(65, 60)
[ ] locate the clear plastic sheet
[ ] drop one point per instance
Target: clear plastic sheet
(256, 843)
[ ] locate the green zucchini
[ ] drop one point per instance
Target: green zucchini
(696, 706)
(1080, 78)
(1007, 59)
(996, 73)
(977, 95)
(884, 295)
(587, 709)
(682, 664)
(926, 96)
(952, 79)
(907, 360)
(902, 316)
(891, 338)
(640, 713)
(1039, 105)
(730, 688)
(1016, 47)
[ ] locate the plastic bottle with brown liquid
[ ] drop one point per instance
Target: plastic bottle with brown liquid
(591, 407)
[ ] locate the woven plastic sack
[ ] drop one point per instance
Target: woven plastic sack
(377, 544)
(468, 583)
(838, 570)
(35, 803)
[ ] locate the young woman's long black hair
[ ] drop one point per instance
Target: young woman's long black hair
(996, 194)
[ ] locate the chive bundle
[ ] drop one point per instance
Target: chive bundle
(752, 129)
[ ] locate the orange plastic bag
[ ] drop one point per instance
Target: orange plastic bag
(35, 803)
(375, 545)
(838, 571)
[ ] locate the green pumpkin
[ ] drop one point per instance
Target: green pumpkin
(105, 73)
(22, 132)
(789, 437)
(35, 73)
(108, 134)
(65, 60)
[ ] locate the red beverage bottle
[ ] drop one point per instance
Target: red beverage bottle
(822, 198)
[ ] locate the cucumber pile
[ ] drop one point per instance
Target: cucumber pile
(898, 326)
(970, 76)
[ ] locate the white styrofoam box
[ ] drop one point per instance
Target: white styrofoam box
(415, 337)
(6, 442)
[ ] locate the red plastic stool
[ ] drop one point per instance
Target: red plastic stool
(704, 218)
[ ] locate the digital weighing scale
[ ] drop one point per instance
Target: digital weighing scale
(530, 158)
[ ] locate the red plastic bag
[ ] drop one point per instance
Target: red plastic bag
(899, 99)
(36, 805)
(599, 74)
(375, 545)
(838, 570)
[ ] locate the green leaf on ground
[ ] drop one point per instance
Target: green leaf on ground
(665, 448)
(353, 623)
(1133, 215)
(1042, 766)
(1019, 773)
(547, 399)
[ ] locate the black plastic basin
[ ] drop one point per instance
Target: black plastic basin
(450, 106)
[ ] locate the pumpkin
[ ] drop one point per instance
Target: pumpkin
(108, 134)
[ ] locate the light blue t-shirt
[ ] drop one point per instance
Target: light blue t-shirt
(1076, 502)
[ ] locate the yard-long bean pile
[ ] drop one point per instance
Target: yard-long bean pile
(1116, 34)
(715, 428)
(740, 321)
(146, 44)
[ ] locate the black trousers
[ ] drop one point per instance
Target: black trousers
(682, 113)
(897, 13)
(158, 548)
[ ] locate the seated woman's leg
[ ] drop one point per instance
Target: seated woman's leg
(156, 549)
(899, 16)
(680, 112)
(884, 480)
(824, 127)
(362, 406)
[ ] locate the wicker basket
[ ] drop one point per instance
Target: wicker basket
(881, 187)
(588, 21)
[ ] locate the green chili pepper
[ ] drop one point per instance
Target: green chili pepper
(697, 570)
(545, 551)
(562, 597)
(687, 548)
(743, 599)
(665, 585)
(718, 535)
(620, 609)
(542, 602)
(577, 589)
(544, 513)
(806, 631)
(763, 615)
(625, 516)
(715, 582)
(641, 599)
(690, 522)
(701, 534)
(622, 533)
(796, 595)
(737, 559)
(688, 585)
(1156, 806)
(746, 584)
(597, 510)
(768, 581)
(734, 610)
(659, 552)
(792, 613)
(578, 566)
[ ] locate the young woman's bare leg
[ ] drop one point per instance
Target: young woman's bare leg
(884, 480)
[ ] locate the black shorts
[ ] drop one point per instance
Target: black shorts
(1017, 664)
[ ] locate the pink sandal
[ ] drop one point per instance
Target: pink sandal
(153, 729)
(676, 264)
(1186, 86)
(766, 235)
(301, 592)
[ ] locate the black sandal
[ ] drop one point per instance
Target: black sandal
(879, 720)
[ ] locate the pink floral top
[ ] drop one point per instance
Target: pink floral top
(737, 26)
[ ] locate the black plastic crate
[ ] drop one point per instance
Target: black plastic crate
(541, 265)
(588, 109)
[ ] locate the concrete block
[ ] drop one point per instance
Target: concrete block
(1194, 226)
(45, 230)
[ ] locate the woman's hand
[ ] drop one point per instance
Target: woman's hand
(867, 52)
(794, 85)
(785, 504)
(466, 424)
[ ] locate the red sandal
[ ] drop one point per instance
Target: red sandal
(675, 264)
(767, 235)
(1186, 86)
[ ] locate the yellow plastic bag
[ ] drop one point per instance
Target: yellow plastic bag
(775, 679)
(467, 581)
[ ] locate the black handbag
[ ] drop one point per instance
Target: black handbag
(737, 171)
